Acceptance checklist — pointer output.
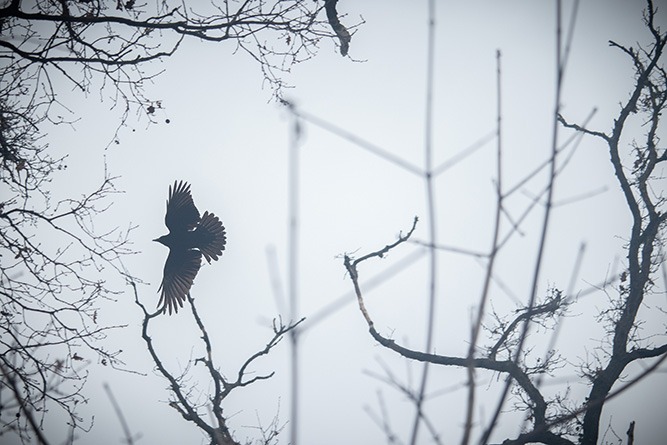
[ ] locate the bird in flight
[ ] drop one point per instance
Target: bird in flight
(188, 239)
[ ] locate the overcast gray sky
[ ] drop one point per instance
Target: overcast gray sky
(230, 142)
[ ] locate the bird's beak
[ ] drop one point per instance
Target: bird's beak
(156, 240)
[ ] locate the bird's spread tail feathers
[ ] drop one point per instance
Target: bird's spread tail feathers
(212, 236)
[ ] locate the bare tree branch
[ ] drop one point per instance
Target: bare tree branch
(557, 419)
(184, 397)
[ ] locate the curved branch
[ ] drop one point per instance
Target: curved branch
(508, 366)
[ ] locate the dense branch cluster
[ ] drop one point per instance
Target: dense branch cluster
(50, 46)
(57, 266)
(49, 43)
(50, 294)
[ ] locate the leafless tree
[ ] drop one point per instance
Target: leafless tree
(52, 286)
(57, 265)
(505, 350)
(196, 405)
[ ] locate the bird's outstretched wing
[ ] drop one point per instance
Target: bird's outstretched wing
(179, 274)
(211, 237)
(182, 215)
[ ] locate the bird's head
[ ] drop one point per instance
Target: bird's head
(162, 240)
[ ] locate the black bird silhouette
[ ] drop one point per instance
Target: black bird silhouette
(189, 237)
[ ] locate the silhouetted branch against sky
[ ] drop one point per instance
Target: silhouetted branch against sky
(53, 55)
(198, 399)
(529, 296)
(549, 420)
(50, 302)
